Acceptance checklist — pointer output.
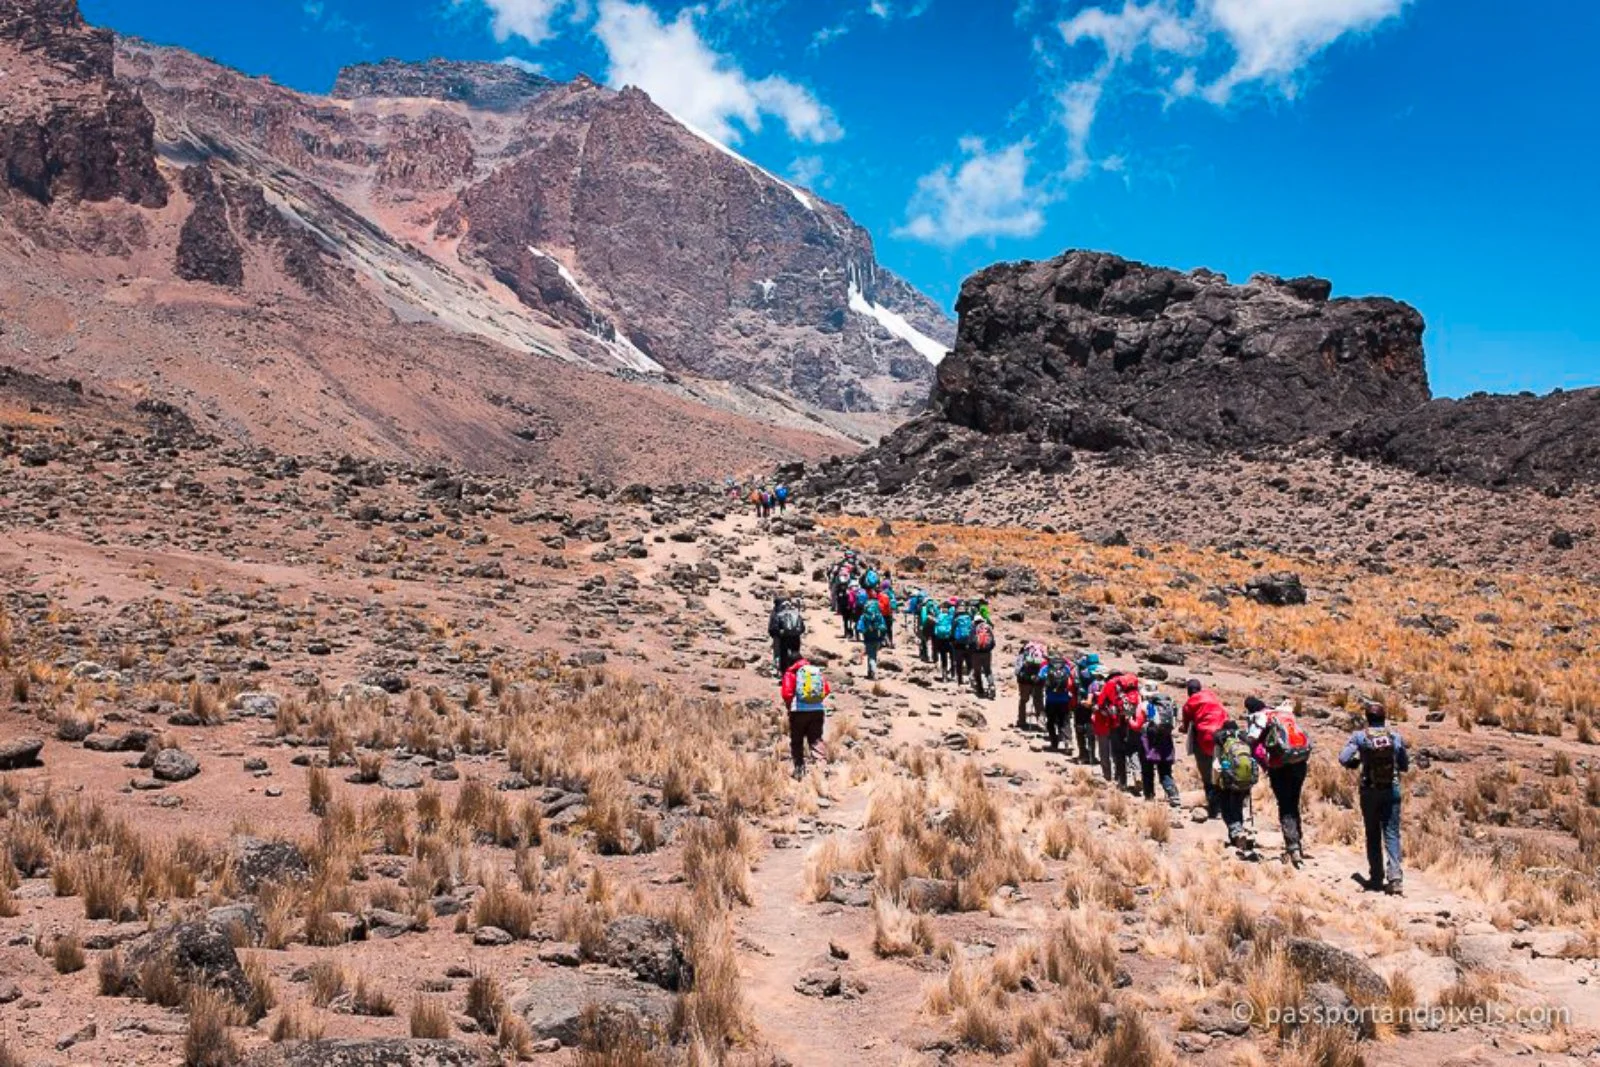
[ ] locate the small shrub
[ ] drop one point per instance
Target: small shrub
(429, 1019)
(208, 1042)
(67, 955)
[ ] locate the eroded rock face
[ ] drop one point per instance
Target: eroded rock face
(207, 249)
(1548, 442)
(491, 86)
(68, 129)
(1099, 352)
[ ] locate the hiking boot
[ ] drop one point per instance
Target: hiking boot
(798, 773)
(1297, 860)
(1394, 888)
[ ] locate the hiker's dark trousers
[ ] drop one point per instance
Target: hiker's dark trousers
(1057, 725)
(1115, 749)
(1083, 726)
(805, 731)
(1380, 811)
(1150, 771)
(1203, 763)
(785, 650)
(1288, 782)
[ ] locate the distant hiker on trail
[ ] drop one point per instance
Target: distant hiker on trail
(1284, 750)
(1115, 713)
(1380, 754)
(786, 627)
(927, 613)
(943, 627)
(1056, 681)
(805, 695)
(1203, 715)
(781, 495)
(855, 599)
(1089, 678)
(873, 628)
(1028, 671)
(961, 627)
(757, 500)
(1156, 726)
(1236, 773)
(981, 659)
(885, 599)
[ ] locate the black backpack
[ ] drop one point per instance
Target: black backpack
(1378, 759)
(1058, 677)
(790, 624)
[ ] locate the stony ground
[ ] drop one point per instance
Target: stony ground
(371, 752)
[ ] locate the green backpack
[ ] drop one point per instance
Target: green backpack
(1236, 768)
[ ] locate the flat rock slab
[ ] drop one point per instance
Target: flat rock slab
(554, 1007)
(366, 1052)
(20, 753)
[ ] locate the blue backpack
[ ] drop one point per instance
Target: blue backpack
(870, 580)
(961, 628)
(942, 625)
(872, 625)
(783, 493)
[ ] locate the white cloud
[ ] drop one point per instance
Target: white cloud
(521, 64)
(1265, 43)
(672, 62)
(529, 19)
(987, 196)
(808, 172)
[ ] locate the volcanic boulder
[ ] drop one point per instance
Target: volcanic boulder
(1099, 352)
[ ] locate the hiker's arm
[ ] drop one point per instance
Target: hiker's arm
(1351, 756)
(1402, 755)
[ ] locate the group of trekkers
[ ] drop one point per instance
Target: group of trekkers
(769, 500)
(1103, 717)
(956, 634)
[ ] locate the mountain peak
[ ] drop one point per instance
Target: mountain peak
(489, 86)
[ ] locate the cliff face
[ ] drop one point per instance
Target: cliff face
(68, 129)
(487, 86)
(704, 262)
(1098, 352)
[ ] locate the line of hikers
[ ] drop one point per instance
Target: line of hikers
(770, 500)
(956, 634)
(1112, 718)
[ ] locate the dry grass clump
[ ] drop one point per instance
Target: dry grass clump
(208, 1039)
(486, 1003)
(717, 854)
(67, 954)
(429, 1019)
(898, 931)
(298, 1021)
(506, 906)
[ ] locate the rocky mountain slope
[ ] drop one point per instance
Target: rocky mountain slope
(511, 206)
(341, 275)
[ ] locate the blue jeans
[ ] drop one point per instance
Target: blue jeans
(1380, 810)
(872, 656)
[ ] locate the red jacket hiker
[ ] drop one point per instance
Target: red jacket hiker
(1120, 691)
(1204, 714)
(791, 686)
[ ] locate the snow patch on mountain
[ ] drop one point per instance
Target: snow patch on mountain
(625, 350)
(897, 325)
(805, 201)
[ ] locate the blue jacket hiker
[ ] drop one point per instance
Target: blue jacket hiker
(1380, 755)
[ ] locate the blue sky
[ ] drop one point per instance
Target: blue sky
(1440, 151)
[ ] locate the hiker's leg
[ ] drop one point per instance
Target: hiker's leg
(1391, 837)
(1294, 782)
(1373, 811)
(1024, 694)
(1202, 763)
(1147, 778)
(1168, 784)
(816, 723)
(1119, 757)
(872, 659)
(797, 740)
(1105, 755)
(1232, 805)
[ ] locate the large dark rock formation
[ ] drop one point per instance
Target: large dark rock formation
(1098, 352)
(1548, 442)
(207, 249)
(68, 129)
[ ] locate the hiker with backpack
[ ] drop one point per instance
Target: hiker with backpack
(981, 659)
(927, 612)
(1089, 678)
(1235, 772)
(786, 627)
(1156, 726)
(805, 694)
(781, 495)
(1115, 711)
(1028, 671)
(1057, 681)
(1379, 753)
(885, 600)
(944, 621)
(1203, 715)
(1284, 750)
(873, 628)
(961, 628)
